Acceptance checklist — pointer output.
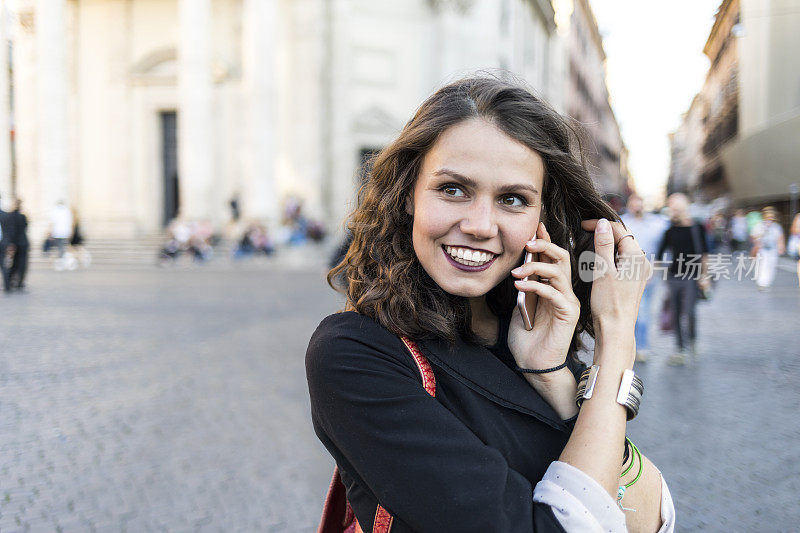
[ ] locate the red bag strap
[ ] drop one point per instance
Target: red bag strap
(424, 367)
(337, 515)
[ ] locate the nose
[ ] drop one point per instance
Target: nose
(479, 220)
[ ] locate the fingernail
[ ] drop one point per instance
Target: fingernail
(531, 242)
(516, 270)
(603, 226)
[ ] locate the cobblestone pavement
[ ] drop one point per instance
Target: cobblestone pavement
(160, 401)
(176, 401)
(724, 430)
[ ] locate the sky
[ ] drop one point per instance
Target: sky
(655, 65)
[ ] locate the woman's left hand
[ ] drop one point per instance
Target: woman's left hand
(557, 307)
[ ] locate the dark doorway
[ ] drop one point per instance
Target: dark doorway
(169, 161)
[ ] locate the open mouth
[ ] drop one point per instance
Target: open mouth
(467, 258)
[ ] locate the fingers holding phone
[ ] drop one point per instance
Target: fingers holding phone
(546, 273)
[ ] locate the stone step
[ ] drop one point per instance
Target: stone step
(142, 250)
(139, 254)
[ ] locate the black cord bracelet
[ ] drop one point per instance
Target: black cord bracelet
(627, 452)
(543, 371)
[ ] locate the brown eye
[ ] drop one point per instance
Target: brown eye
(452, 190)
(513, 200)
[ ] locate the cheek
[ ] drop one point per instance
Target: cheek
(430, 224)
(520, 233)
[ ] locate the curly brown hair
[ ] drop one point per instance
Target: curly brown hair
(381, 275)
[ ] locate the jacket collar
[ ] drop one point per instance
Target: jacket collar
(480, 370)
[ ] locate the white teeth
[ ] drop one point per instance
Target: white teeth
(467, 256)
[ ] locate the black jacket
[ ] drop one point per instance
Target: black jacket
(687, 244)
(5, 227)
(466, 460)
(18, 228)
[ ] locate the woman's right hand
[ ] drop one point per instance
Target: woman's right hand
(619, 279)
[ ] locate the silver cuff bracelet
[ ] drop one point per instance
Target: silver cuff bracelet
(629, 395)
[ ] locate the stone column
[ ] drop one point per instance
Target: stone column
(51, 96)
(195, 112)
(259, 38)
(5, 113)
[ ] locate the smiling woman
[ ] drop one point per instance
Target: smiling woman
(493, 438)
(476, 194)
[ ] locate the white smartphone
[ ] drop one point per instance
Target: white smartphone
(526, 302)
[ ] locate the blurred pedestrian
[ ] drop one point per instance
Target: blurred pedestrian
(175, 245)
(686, 240)
(296, 228)
(61, 231)
(201, 241)
(649, 229)
(19, 238)
(77, 242)
(715, 230)
(294, 221)
(793, 248)
(234, 205)
(255, 240)
(5, 246)
(769, 245)
(740, 236)
(753, 219)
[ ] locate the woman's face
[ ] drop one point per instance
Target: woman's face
(476, 202)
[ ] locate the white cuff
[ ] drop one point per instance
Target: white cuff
(667, 509)
(579, 502)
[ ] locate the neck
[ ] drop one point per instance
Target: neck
(484, 323)
(479, 308)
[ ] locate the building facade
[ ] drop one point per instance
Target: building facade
(743, 148)
(134, 112)
(686, 149)
(720, 101)
(712, 121)
(587, 100)
(762, 164)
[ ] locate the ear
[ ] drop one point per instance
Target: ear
(410, 204)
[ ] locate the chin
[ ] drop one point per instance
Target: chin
(467, 290)
(466, 293)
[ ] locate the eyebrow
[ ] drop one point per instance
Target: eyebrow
(466, 180)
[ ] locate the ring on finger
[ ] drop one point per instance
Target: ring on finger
(625, 236)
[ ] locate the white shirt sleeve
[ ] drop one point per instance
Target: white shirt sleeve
(579, 503)
(667, 509)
